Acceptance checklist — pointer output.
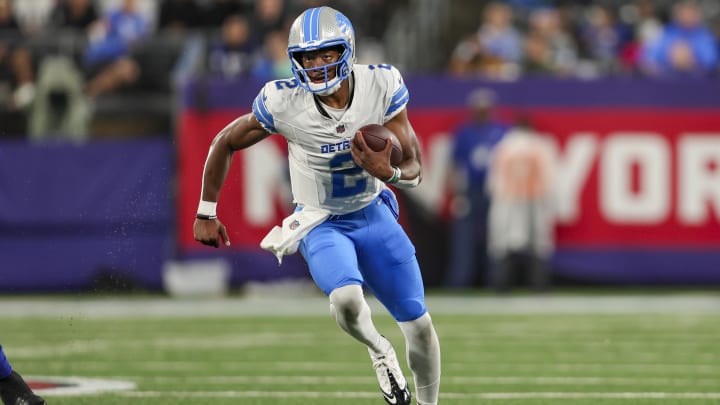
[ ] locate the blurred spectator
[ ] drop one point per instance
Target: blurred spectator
(148, 9)
(268, 16)
(108, 60)
(686, 47)
(531, 4)
(644, 27)
(648, 26)
(179, 14)
(521, 231)
(234, 55)
(74, 14)
(494, 51)
(465, 59)
(32, 16)
(549, 48)
(538, 57)
(603, 38)
(274, 62)
(218, 10)
(371, 17)
(60, 109)
(471, 155)
(17, 88)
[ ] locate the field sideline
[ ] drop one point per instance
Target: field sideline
(521, 349)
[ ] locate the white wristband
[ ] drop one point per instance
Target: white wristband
(395, 176)
(408, 183)
(207, 208)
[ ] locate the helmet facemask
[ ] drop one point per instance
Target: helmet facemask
(333, 73)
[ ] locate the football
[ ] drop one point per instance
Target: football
(375, 137)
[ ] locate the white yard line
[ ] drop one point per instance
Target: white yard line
(144, 307)
(505, 380)
(330, 366)
(70, 349)
(99, 345)
(444, 395)
(124, 386)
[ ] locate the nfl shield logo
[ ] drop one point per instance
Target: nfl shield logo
(340, 128)
(294, 225)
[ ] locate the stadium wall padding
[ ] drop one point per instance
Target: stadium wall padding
(78, 217)
(640, 172)
(640, 201)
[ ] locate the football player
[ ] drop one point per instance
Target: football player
(13, 389)
(345, 222)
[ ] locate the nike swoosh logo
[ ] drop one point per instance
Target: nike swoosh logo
(390, 398)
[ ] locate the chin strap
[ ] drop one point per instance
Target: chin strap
(326, 92)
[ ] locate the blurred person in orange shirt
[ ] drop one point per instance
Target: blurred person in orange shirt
(521, 220)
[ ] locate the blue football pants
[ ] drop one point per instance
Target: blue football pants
(368, 247)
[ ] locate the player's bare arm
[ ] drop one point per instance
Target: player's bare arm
(378, 163)
(243, 132)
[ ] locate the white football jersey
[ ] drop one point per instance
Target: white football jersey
(322, 171)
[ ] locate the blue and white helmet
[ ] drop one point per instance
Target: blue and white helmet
(318, 28)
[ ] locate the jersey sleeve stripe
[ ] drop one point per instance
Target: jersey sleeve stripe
(400, 98)
(399, 94)
(262, 114)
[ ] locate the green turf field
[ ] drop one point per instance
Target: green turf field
(581, 356)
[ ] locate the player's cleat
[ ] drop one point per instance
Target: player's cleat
(14, 391)
(393, 385)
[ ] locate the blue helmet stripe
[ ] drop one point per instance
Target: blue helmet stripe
(306, 25)
(315, 24)
(262, 114)
(400, 98)
(311, 25)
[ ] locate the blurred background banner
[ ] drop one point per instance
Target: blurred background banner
(256, 193)
(638, 199)
(639, 182)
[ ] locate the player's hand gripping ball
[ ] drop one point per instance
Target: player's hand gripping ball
(376, 136)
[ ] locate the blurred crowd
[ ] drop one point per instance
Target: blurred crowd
(64, 63)
(590, 39)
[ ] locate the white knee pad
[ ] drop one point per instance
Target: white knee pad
(420, 328)
(347, 302)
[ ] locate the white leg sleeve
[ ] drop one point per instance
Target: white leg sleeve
(423, 355)
(352, 313)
